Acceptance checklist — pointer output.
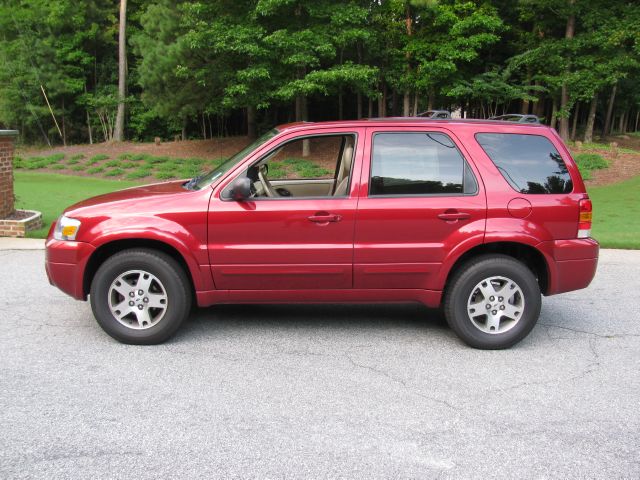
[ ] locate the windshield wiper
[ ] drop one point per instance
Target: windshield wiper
(192, 183)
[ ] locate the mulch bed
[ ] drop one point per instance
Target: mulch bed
(18, 215)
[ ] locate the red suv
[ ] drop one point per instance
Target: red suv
(477, 217)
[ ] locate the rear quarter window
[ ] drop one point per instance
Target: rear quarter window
(529, 163)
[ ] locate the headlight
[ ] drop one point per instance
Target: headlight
(66, 228)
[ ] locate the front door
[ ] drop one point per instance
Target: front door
(296, 232)
(419, 199)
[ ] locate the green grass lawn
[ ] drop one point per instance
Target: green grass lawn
(616, 207)
(616, 214)
(52, 193)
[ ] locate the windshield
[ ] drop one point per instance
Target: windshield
(228, 164)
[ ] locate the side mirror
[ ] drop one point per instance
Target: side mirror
(240, 189)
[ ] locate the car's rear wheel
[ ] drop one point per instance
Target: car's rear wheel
(493, 302)
(140, 296)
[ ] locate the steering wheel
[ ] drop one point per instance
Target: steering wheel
(269, 190)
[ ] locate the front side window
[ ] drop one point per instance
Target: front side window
(418, 164)
(216, 173)
(529, 163)
(306, 167)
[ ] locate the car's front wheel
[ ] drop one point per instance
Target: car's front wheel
(493, 302)
(140, 296)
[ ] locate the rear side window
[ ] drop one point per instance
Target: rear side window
(529, 163)
(418, 164)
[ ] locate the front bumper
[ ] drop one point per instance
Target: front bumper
(572, 263)
(65, 264)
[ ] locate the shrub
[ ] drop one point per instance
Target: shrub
(78, 156)
(591, 161)
(95, 170)
(140, 173)
(113, 163)
(188, 171)
(128, 165)
(588, 162)
(150, 160)
(97, 158)
(168, 166)
(55, 158)
(139, 156)
(114, 173)
(76, 168)
(59, 166)
(35, 163)
(165, 175)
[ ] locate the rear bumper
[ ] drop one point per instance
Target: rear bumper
(65, 263)
(572, 263)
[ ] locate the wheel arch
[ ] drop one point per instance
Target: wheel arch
(533, 258)
(108, 249)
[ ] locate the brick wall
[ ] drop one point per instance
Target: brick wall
(19, 228)
(6, 172)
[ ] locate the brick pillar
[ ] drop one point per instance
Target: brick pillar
(7, 138)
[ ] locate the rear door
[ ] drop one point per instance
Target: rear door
(420, 198)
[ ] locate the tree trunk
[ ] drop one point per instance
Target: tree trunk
(406, 104)
(89, 128)
(64, 130)
(635, 128)
(554, 113)
(122, 72)
(526, 102)
(564, 119)
(359, 100)
(251, 122)
(184, 129)
(591, 118)
(301, 116)
(414, 112)
(370, 107)
(431, 100)
(607, 121)
(623, 120)
(340, 104)
(88, 120)
(564, 97)
(382, 102)
(576, 113)
(394, 103)
(406, 101)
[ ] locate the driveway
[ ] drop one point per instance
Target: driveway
(319, 391)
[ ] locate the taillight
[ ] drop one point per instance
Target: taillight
(584, 220)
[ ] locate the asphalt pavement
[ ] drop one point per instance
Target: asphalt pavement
(319, 391)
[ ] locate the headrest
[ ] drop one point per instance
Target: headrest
(347, 158)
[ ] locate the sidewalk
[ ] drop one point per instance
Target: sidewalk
(10, 243)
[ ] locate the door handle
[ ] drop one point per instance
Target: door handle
(323, 217)
(453, 215)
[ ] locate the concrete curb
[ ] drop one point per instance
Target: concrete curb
(10, 243)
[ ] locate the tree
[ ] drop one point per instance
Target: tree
(118, 134)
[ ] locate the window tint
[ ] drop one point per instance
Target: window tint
(417, 164)
(530, 163)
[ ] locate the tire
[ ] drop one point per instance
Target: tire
(140, 316)
(487, 321)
